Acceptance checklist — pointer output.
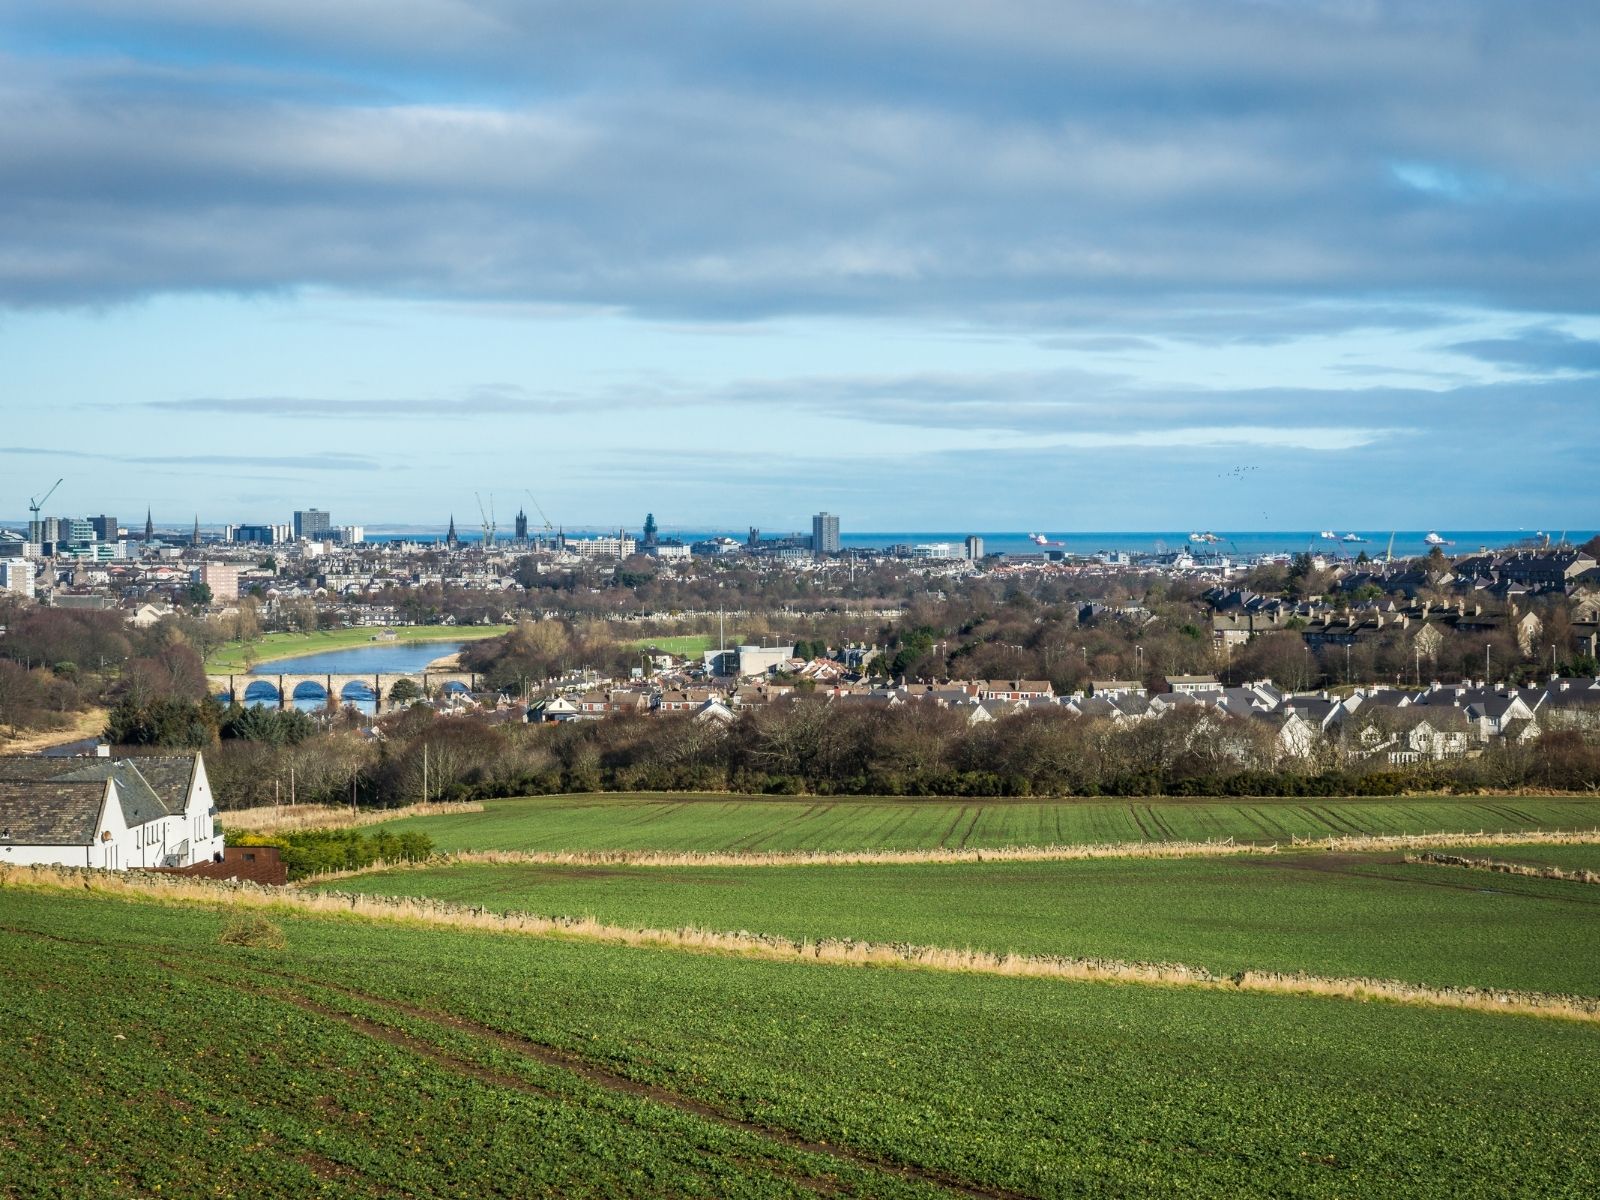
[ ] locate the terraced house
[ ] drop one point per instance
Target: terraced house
(112, 813)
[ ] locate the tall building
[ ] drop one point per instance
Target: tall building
(311, 524)
(650, 530)
(974, 547)
(221, 578)
(522, 526)
(105, 528)
(825, 533)
(16, 575)
(450, 539)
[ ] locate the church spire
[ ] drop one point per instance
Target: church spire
(194, 538)
(450, 539)
(149, 526)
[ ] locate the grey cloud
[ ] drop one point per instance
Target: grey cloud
(1024, 163)
(482, 403)
(1539, 349)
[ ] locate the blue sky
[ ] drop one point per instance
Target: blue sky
(1028, 264)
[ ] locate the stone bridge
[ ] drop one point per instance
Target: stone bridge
(295, 686)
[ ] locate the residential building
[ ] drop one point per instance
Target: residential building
(116, 814)
(221, 578)
(105, 528)
(974, 546)
(825, 533)
(16, 575)
(620, 546)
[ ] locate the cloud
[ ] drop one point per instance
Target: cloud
(1538, 349)
(1031, 163)
(480, 402)
(329, 461)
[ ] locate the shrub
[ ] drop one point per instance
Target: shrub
(252, 929)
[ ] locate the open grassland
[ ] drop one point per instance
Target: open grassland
(366, 1059)
(659, 821)
(273, 646)
(684, 645)
(1323, 913)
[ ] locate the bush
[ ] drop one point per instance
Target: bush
(252, 929)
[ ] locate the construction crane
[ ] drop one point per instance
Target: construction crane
(488, 522)
(1388, 555)
(548, 528)
(35, 532)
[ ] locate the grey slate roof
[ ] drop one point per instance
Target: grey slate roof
(48, 813)
(49, 796)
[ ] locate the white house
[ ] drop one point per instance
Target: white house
(118, 814)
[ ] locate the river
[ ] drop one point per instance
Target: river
(357, 660)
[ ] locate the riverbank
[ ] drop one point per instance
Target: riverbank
(276, 646)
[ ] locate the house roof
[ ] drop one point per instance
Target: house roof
(49, 813)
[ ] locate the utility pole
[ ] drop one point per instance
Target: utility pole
(291, 785)
(424, 772)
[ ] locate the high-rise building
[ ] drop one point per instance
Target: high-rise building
(974, 547)
(825, 533)
(105, 528)
(221, 578)
(16, 575)
(311, 523)
(522, 526)
(651, 532)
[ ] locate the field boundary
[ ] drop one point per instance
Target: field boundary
(1539, 871)
(186, 891)
(271, 818)
(940, 856)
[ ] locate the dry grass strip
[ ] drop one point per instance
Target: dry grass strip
(1378, 842)
(289, 817)
(1540, 871)
(231, 895)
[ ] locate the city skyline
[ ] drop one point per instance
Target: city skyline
(1043, 266)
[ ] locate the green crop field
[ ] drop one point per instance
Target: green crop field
(628, 821)
(1365, 915)
(272, 646)
(141, 1057)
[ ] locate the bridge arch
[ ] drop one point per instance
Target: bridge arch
(309, 689)
(261, 691)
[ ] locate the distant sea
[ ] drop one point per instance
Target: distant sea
(1234, 544)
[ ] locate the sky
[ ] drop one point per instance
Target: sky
(1026, 264)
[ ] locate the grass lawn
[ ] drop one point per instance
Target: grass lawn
(273, 646)
(1355, 915)
(685, 645)
(363, 1059)
(684, 821)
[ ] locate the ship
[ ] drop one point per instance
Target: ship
(1328, 535)
(1352, 537)
(1207, 538)
(1433, 539)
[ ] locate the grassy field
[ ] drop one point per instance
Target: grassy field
(684, 645)
(367, 1058)
(1346, 915)
(274, 646)
(655, 821)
